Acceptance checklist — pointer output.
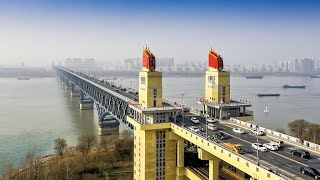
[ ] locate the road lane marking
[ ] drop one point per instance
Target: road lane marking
(269, 151)
(289, 165)
(270, 157)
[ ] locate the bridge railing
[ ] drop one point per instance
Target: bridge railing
(284, 137)
(176, 128)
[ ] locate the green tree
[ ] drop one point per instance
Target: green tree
(60, 146)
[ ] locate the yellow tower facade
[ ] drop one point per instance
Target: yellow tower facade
(150, 82)
(217, 85)
(155, 150)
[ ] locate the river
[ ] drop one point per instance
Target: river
(35, 112)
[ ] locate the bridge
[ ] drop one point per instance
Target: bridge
(164, 145)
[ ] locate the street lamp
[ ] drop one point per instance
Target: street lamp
(182, 113)
(131, 84)
(265, 123)
(121, 83)
(257, 130)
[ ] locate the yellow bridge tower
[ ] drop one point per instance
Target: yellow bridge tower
(217, 102)
(158, 154)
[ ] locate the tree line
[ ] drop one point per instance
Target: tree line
(305, 130)
(87, 160)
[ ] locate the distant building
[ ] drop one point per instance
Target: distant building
(86, 64)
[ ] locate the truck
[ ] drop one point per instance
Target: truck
(234, 147)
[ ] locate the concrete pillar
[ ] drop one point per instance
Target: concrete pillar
(213, 163)
(180, 160)
(214, 169)
(86, 104)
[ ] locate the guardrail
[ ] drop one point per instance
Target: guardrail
(205, 143)
(280, 136)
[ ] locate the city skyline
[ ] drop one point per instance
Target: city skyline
(37, 32)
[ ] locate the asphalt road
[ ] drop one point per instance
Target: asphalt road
(276, 160)
(281, 159)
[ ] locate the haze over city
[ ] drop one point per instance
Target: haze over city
(39, 32)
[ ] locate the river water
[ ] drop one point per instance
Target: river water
(33, 113)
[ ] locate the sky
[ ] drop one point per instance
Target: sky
(242, 31)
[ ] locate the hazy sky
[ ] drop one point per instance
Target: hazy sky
(249, 31)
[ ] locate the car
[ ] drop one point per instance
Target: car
(211, 120)
(219, 135)
(259, 146)
(271, 146)
(212, 127)
(310, 171)
(301, 153)
(238, 130)
(194, 129)
(257, 132)
(195, 120)
(277, 142)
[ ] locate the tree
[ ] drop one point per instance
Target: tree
(298, 128)
(60, 146)
(313, 133)
(110, 158)
(85, 143)
(126, 134)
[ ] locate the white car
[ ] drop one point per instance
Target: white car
(238, 130)
(212, 127)
(259, 147)
(195, 120)
(211, 120)
(194, 129)
(258, 133)
(271, 146)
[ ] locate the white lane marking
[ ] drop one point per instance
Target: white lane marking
(289, 165)
(270, 157)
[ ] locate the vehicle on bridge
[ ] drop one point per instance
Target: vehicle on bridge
(212, 127)
(195, 120)
(238, 130)
(259, 147)
(310, 171)
(194, 129)
(234, 147)
(271, 146)
(277, 142)
(219, 135)
(257, 132)
(301, 153)
(211, 120)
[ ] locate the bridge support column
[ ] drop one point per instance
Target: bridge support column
(213, 163)
(180, 160)
(75, 93)
(86, 104)
(214, 169)
(180, 171)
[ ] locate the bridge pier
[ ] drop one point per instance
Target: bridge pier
(75, 94)
(86, 104)
(108, 125)
(213, 163)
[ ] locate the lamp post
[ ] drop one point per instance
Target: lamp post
(257, 129)
(266, 110)
(121, 82)
(131, 84)
(182, 113)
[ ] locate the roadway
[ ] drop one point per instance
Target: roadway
(276, 160)
(281, 161)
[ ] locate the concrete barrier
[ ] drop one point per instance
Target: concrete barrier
(284, 137)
